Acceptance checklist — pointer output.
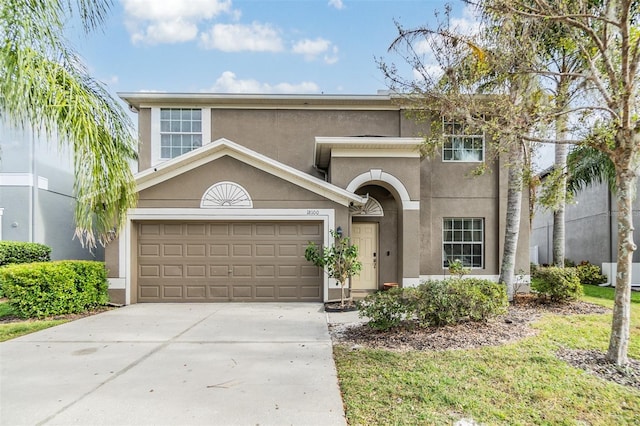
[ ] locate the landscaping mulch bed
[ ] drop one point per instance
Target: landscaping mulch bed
(513, 326)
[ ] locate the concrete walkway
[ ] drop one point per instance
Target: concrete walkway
(176, 364)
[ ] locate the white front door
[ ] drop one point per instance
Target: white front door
(365, 236)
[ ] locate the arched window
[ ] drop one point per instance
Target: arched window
(371, 208)
(226, 195)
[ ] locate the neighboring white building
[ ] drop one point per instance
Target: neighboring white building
(36, 194)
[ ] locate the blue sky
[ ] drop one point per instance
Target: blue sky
(251, 46)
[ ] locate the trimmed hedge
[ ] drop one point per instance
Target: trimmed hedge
(449, 301)
(37, 290)
(436, 303)
(385, 309)
(557, 284)
(591, 274)
(20, 252)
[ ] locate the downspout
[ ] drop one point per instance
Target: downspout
(322, 171)
(34, 183)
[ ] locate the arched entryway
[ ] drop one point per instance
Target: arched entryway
(398, 253)
(374, 228)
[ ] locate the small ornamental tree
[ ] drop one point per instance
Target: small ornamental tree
(339, 261)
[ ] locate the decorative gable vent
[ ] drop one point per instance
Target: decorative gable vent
(371, 208)
(223, 195)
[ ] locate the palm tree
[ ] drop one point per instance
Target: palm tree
(587, 166)
(43, 84)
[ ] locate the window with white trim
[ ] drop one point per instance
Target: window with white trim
(180, 131)
(461, 142)
(463, 239)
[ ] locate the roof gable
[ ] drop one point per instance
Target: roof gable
(224, 147)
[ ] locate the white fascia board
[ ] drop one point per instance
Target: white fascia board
(373, 153)
(382, 146)
(222, 147)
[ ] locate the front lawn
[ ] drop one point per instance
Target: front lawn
(12, 327)
(518, 383)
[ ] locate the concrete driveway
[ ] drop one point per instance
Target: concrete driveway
(176, 364)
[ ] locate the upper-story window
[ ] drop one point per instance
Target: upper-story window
(180, 131)
(461, 142)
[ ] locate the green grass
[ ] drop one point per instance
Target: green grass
(11, 330)
(16, 329)
(607, 293)
(520, 383)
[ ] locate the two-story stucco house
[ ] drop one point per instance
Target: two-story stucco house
(232, 187)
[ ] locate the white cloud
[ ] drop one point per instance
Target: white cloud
(229, 83)
(153, 21)
(236, 37)
(331, 58)
(311, 49)
(469, 23)
(338, 4)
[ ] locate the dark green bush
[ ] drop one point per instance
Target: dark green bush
(20, 252)
(449, 301)
(37, 290)
(557, 284)
(385, 309)
(589, 273)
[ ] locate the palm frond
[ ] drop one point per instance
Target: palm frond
(44, 85)
(588, 166)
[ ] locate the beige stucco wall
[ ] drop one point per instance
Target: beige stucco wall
(288, 135)
(267, 191)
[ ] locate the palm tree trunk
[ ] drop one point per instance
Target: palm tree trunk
(626, 181)
(514, 210)
(558, 213)
(562, 97)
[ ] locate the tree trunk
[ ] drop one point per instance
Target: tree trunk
(512, 226)
(561, 149)
(626, 180)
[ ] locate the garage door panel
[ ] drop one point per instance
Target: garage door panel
(219, 271)
(196, 250)
(196, 271)
(242, 271)
(265, 292)
(233, 261)
(172, 291)
(152, 250)
(242, 291)
(150, 291)
(172, 250)
(196, 292)
(310, 292)
(196, 229)
(265, 271)
(241, 250)
(172, 271)
(265, 250)
(149, 271)
(219, 250)
(172, 229)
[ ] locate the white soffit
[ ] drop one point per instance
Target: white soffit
(364, 146)
(224, 147)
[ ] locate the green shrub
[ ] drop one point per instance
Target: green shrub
(20, 252)
(385, 309)
(589, 273)
(557, 284)
(37, 290)
(449, 301)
